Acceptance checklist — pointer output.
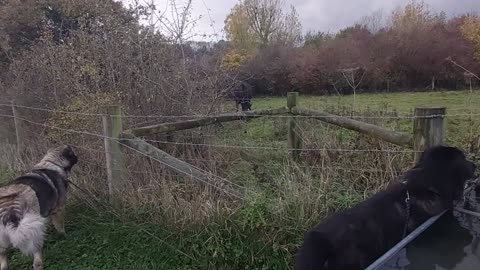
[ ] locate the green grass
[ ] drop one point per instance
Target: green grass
(461, 129)
(459, 104)
(5, 174)
(403, 102)
(97, 239)
(102, 239)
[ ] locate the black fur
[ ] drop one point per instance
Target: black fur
(12, 217)
(242, 95)
(47, 195)
(60, 182)
(246, 105)
(355, 238)
(70, 155)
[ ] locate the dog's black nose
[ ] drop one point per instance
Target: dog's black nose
(69, 149)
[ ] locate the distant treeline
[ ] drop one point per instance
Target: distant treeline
(412, 48)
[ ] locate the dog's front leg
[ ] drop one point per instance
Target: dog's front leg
(58, 220)
(37, 261)
(3, 259)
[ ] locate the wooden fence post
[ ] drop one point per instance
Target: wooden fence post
(112, 128)
(428, 128)
(18, 130)
(294, 140)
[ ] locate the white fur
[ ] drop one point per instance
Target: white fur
(27, 237)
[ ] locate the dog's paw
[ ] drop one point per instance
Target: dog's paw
(60, 235)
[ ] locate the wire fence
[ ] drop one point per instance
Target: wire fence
(210, 141)
(230, 157)
(406, 115)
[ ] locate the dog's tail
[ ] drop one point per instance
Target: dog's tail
(26, 232)
(314, 253)
(11, 209)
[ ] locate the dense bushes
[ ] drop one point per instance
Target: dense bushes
(410, 50)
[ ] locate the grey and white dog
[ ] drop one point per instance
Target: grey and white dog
(27, 202)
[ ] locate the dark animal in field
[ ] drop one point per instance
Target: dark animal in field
(242, 94)
(355, 238)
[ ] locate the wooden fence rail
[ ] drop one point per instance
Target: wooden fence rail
(204, 121)
(381, 133)
(176, 164)
(428, 130)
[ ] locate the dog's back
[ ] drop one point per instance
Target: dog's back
(335, 243)
(27, 201)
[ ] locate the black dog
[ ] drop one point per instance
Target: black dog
(242, 95)
(355, 238)
(246, 105)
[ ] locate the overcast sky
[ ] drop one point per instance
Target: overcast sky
(316, 15)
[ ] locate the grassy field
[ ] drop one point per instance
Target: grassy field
(402, 102)
(286, 198)
(96, 239)
(459, 104)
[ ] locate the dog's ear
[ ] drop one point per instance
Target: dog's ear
(414, 173)
(446, 169)
(424, 157)
(428, 153)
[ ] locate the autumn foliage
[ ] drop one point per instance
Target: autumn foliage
(471, 30)
(403, 51)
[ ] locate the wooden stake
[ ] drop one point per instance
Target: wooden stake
(18, 128)
(428, 128)
(294, 140)
(112, 128)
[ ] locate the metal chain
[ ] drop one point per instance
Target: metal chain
(407, 214)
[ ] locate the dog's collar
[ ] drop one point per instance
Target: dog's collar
(428, 189)
(51, 165)
(408, 207)
(46, 177)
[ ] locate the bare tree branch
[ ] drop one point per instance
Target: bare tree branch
(464, 69)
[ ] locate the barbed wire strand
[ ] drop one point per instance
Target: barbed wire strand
(111, 138)
(282, 148)
(215, 145)
(102, 152)
(246, 115)
(268, 165)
